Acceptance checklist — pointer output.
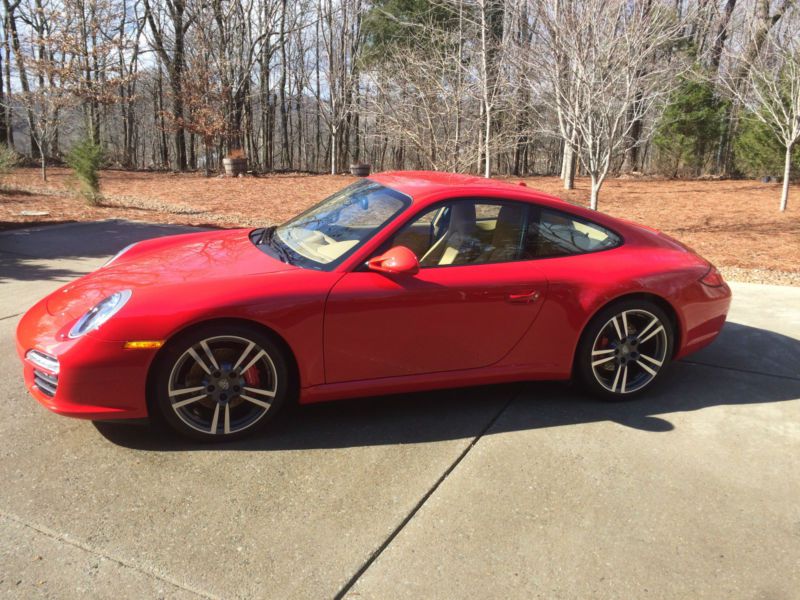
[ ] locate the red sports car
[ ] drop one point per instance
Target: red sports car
(404, 281)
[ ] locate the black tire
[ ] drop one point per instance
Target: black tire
(618, 367)
(242, 384)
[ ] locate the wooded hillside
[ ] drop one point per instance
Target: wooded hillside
(669, 87)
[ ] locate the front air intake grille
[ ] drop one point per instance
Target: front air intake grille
(45, 361)
(46, 382)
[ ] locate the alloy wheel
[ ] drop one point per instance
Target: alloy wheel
(629, 351)
(222, 385)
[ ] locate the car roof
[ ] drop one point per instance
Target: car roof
(421, 185)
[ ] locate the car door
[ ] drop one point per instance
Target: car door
(466, 308)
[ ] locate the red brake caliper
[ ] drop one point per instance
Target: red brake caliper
(252, 377)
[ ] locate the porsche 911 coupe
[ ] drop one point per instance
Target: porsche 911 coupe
(401, 282)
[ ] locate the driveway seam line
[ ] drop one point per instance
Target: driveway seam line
(47, 532)
(376, 554)
(10, 316)
(751, 372)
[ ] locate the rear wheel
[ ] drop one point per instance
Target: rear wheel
(220, 383)
(624, 349)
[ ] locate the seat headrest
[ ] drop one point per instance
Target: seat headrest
(462, 216)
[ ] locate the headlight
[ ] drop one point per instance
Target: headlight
(101, 313)
(120, 253)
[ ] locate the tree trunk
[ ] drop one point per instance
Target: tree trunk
(787, 168)
(333, 152)
(7, 111)
(160, 125)
(317, 93)
(723, 159)
(487, 169)
(3, 108)
(192, 155)
(631, 162)
(298, 110)
(596, 183)
(180, 140)
(568, 168)
(285, 157)
(357, 128)
(266, 120)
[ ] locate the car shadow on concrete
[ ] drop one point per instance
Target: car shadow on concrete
(24, 252)
(707, 379)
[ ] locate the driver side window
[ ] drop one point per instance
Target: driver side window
(466, 232)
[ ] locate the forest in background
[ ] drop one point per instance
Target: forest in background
(599, 87)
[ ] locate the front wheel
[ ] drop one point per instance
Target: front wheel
(624, 349)
(221, 383)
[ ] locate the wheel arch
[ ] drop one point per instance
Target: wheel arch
(291, 358)
(659, 301)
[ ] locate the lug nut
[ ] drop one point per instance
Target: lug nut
(210, 388)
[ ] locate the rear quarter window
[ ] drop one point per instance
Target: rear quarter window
(554, 233)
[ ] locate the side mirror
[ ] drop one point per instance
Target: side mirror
(397, 260)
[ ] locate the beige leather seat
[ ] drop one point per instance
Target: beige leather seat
(507, 236)
(459, 245)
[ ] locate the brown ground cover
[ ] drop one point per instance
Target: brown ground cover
(735, 224)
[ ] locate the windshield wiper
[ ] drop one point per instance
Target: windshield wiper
(265, 235)
(277, 246)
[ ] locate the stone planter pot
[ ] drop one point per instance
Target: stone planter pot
(234, 166)
(360, 169)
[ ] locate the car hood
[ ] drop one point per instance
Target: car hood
(208, 257)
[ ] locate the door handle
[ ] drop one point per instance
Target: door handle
(523, 297)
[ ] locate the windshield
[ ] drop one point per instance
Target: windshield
(326, 234)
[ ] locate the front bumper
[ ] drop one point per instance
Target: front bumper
(95, 379)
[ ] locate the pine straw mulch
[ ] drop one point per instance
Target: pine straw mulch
(734, 223)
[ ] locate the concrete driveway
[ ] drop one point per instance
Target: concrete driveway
(518, 491)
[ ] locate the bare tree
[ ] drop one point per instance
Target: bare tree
(128, 49)
(416, 94)
(45, 53)
(770, 91)
(12, 35)
(604, 65)
(490, 17)
(489, 86)
(341, 42)
(5, 117)
(169, 23)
